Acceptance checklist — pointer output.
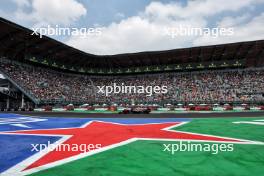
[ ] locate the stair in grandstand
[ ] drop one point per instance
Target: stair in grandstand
(8, 92)
(27, 93)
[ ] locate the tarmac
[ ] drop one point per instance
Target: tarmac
(160, 115)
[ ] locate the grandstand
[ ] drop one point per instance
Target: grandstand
(42, 71)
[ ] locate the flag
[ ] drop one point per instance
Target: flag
(130, 146)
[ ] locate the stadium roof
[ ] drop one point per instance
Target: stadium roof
(17, 42)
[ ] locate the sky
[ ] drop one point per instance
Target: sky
(128, 26)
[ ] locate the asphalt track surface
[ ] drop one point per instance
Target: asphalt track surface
(163, 115)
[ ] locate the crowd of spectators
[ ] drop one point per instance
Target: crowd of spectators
(204, 86)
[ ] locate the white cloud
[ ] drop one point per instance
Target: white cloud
(22, 3)
(133, 35)
(119, 15)
(252, 30)
(202, 8)
(145, 32)
(232, 21)
(50, 11)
